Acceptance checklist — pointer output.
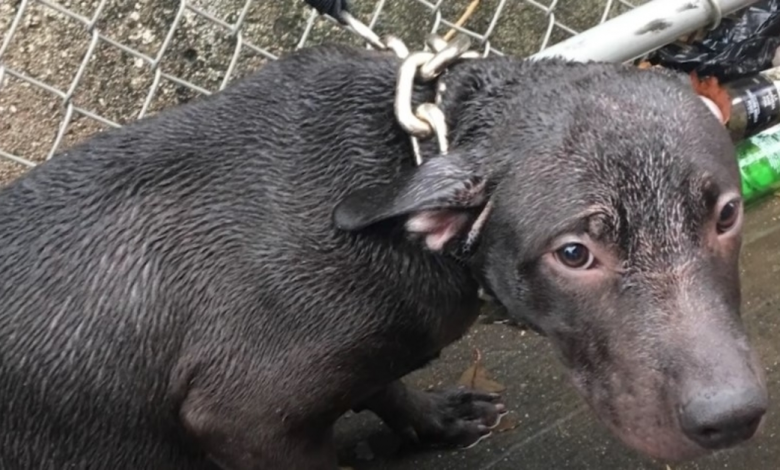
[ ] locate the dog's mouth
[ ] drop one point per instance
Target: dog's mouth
(643, 421)
(650, 429)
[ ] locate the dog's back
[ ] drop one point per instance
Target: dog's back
(121, 254)
(96, 250)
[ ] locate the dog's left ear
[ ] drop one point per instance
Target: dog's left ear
(437, 197)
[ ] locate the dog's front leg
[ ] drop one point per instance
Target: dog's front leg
(454, 417)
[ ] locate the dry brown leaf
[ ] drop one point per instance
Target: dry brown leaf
(476, 377)
(710, 88)
(644, 64)
(507, 423)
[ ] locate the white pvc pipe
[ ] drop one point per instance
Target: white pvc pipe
(643, 29)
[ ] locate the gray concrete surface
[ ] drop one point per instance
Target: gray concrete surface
(553, 429)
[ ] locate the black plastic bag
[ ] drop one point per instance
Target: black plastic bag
(332, 8)
(741, 45)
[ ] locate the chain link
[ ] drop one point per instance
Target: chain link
(427, 119)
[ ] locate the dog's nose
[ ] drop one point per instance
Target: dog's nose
(717, 419)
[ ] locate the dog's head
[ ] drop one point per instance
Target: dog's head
(606, 202)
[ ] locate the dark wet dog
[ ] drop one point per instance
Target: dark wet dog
(215, 286)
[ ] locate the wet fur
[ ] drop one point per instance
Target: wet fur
(175, 293)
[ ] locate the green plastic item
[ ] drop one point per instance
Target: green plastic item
(759, 164)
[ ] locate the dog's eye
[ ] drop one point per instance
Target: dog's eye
(728, 216)
(575, 256)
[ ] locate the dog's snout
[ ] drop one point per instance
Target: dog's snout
(717, 419)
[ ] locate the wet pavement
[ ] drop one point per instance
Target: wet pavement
(554, 428)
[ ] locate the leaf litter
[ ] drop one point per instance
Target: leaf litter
(477, 377)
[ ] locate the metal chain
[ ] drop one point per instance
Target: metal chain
(426, 120)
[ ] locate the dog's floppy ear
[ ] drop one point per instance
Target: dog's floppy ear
(436, 198)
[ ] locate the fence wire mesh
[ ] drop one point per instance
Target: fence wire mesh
(70, 68)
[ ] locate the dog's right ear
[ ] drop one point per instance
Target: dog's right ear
(436, 197)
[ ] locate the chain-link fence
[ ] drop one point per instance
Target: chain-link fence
(69, 68)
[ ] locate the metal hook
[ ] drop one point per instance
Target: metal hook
(431, 114)
(445, 57)
(363, 30)
(396, 45)
(403, 101)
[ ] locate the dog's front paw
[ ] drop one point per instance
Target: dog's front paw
(459, 417)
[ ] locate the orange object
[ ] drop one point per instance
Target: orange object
(711, 89)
